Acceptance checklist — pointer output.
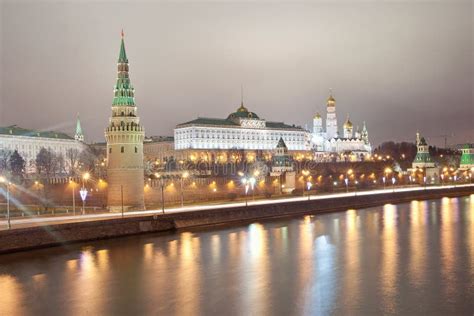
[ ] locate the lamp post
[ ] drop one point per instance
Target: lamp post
(71, 182)
(7, 185)
(252, 181)
(83, 191)
(308, 186)
(162, 186)
(183, 176)
(245, 182)
(387, 171)
(393, 184)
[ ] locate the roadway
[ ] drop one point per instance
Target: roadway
(45, 221)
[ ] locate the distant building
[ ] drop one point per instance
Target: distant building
(467, 157)
(423, 158)
(242, 129)
(124, 135)
(29, 142)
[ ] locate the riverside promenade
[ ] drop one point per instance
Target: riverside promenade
(36, 232)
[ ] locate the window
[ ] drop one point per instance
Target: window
(110, 150)
(122, 149)
(136, 149)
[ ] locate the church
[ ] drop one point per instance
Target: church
(351, 145)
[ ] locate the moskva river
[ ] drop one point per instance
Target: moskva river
(407, 259)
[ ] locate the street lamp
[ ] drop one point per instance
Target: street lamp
(308, 186)
(346, 181)
(7, 185)
(383, 180)
(252, 181)
(83, 191)
(245, 182)
(162, 186)
(393, 183)
(73, 197)
(183, 176)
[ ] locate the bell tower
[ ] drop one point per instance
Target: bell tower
(124, 135)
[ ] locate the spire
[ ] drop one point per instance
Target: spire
(123, 90)
(123, 55)
(79, 135)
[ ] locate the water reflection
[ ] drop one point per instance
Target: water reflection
(415, 258)
(389, 253)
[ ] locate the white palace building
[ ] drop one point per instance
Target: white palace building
(240, 130)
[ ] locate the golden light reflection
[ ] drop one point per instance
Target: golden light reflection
(418, 256)
(259, 267)
(448, 241)
(148, 253)
(11, 296)
(389, 257)
(305, 251)
(352, 260)
(188, 281)
(215, 245)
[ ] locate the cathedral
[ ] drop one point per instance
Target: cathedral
(352, 144)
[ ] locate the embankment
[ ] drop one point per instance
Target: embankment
(46, 236)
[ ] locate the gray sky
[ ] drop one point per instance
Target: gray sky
(398, 65)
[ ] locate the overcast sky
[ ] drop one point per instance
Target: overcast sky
(401, 66)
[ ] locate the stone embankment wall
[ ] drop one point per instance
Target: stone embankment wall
(54, 235)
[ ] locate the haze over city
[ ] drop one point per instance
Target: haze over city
(399, 66)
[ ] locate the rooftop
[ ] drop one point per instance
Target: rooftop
(19, 131)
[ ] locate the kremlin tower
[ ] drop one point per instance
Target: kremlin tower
(331, 119)
(124, 135)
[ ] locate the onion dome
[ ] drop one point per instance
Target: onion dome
(242, 112)
(317, 116)
(331, 101)
(348, 123)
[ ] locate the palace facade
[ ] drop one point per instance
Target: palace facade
(29, 142)
(242, 129)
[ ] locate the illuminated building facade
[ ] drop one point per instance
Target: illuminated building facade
(242, 129)
(325, 142)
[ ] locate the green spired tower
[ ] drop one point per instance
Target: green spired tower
(124, 135)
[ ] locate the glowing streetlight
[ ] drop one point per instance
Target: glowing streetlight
(246, 184)
(183, 176)
(7, 185)
(73, 196)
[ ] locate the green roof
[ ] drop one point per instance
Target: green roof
(19, 131)
(228, 122)
(122, 55)
(210, 121)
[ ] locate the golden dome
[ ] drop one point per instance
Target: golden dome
(348, 123)
(242, 108)
(331, 101)
(317, 116)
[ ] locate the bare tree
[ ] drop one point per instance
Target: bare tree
(17, 166)
(4, 158)
(72, 161)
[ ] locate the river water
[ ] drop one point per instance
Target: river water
(407, 259)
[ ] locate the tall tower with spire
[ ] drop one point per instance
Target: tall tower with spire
(79, 135)
(331, 119)
(124, 135)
